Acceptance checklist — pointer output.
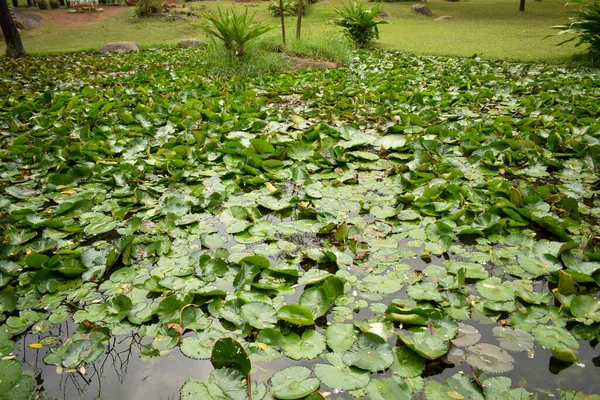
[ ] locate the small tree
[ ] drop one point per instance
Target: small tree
(145, 8)
(14, 46)
(360, 22)
(281, 11)
(234, 29)
(299, 20)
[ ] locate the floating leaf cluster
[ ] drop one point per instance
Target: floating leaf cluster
(362, 217)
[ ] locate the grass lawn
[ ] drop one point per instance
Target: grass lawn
(492, 29)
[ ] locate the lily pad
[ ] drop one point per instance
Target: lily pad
(309, 346)
(229, 353)
(467, 335)
(371, 352)
(389, 388)
(561, 342)
(514, 339)
(457, 386)
(296, 314)
(340, 337)
(259, 315)
(200, 347)
(293, 383)
(489, 358)
(499, 388)
(340, 376)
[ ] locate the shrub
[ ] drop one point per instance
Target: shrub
(585, 25)
(54, 4)
(145, 8)
(290, 7)
(234, 29)
(360, 22)
(43, 4)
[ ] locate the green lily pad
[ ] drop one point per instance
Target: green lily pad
(222, 383)
(586, 309)
(200, 347)
(340, 337)
(296, 314)
(293, 383)
(309, 346)
(499, 388)
(425, 344)
(229, 353)
(407, 363)
(339, 376)
(259, 315)
(371, 352)
(496, 290)
(10, 371)
(389, 388)
(561, 342)
(457, 386)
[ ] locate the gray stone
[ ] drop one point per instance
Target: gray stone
(383, 13)
(445, 18)
(190, 43)
(119, 47)
(26, 20)
(421, 9)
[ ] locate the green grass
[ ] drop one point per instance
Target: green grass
(331, 47)
(492, 29)
(257, 62)
(50, 38)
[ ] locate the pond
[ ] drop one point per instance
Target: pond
(411, 227)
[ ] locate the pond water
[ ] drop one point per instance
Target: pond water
(121, 373)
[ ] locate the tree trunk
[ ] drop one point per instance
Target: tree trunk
(282, 21)
(299, 20)
(522, 5)
(15, 3)
(14, 46)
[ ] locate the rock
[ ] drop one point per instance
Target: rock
(25, 20)
(119, 47)
(383, 13)
(445, 18)
(190, 43)
(301, 63)
(421, 9)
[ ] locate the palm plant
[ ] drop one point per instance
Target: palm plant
(234, 29)
(360, 22)
(585, 25)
